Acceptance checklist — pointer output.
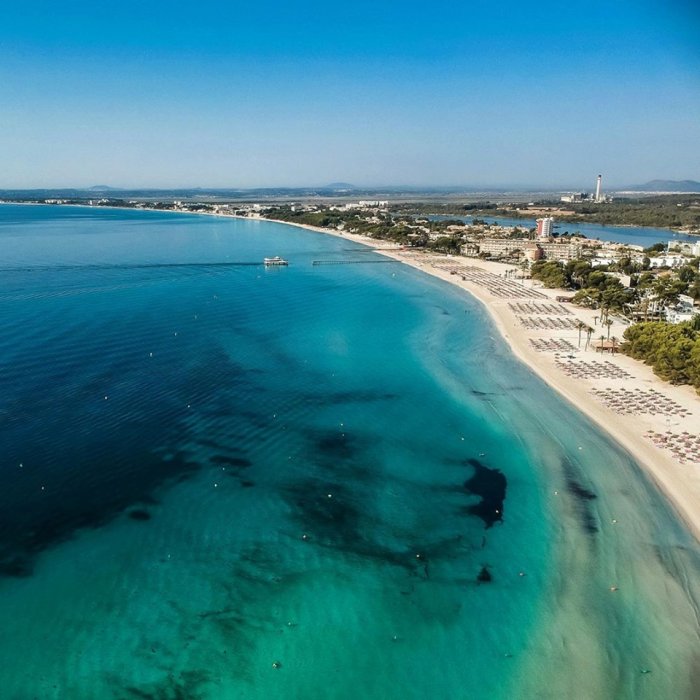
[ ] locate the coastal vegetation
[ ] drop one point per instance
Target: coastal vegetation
(597, 288)
(381, 225)
(667, 211)
(672, 350)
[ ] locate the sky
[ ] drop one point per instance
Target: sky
(226, 94)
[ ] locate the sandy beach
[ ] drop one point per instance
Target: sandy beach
(658, 423)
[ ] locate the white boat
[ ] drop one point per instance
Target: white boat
(275, 261)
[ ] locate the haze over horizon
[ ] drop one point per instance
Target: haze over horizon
(283, 96)
(649, 187)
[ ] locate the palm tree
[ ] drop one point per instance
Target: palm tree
(645, 306)
(602, 340)
(608, 323)
(580, 326)
(589, 333)
(666, 291)
(613, 340)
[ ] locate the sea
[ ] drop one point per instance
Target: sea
(643, 236)
(327, 481)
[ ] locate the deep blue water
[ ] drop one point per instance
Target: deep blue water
(631, 235)
(225, 481)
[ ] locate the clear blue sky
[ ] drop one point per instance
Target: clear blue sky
(223, 94)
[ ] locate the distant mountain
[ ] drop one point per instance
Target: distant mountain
(667, 186)
(102, 188)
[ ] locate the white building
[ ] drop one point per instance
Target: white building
(381, 203)
(682, 311)
(671, 260)
(544, 227)
(575, 197)
(560, 251)
(470, 249)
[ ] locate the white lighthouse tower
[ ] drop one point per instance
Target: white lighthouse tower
(598, 185)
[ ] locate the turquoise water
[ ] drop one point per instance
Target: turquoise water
(222, 481)
(631, 235)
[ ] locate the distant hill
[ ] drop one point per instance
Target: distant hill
(102, 188)
(667, 186)
(339, 186)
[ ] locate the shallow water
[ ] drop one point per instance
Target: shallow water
(210, 470)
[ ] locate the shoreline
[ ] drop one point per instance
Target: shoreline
(678, 482)
(668, 229)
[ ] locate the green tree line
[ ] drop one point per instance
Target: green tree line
(665, 211)
(673, 351)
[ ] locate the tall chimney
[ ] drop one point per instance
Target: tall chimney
(597, 188)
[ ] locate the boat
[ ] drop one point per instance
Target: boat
(275, 261)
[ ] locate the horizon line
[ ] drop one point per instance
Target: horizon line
(501, 188)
